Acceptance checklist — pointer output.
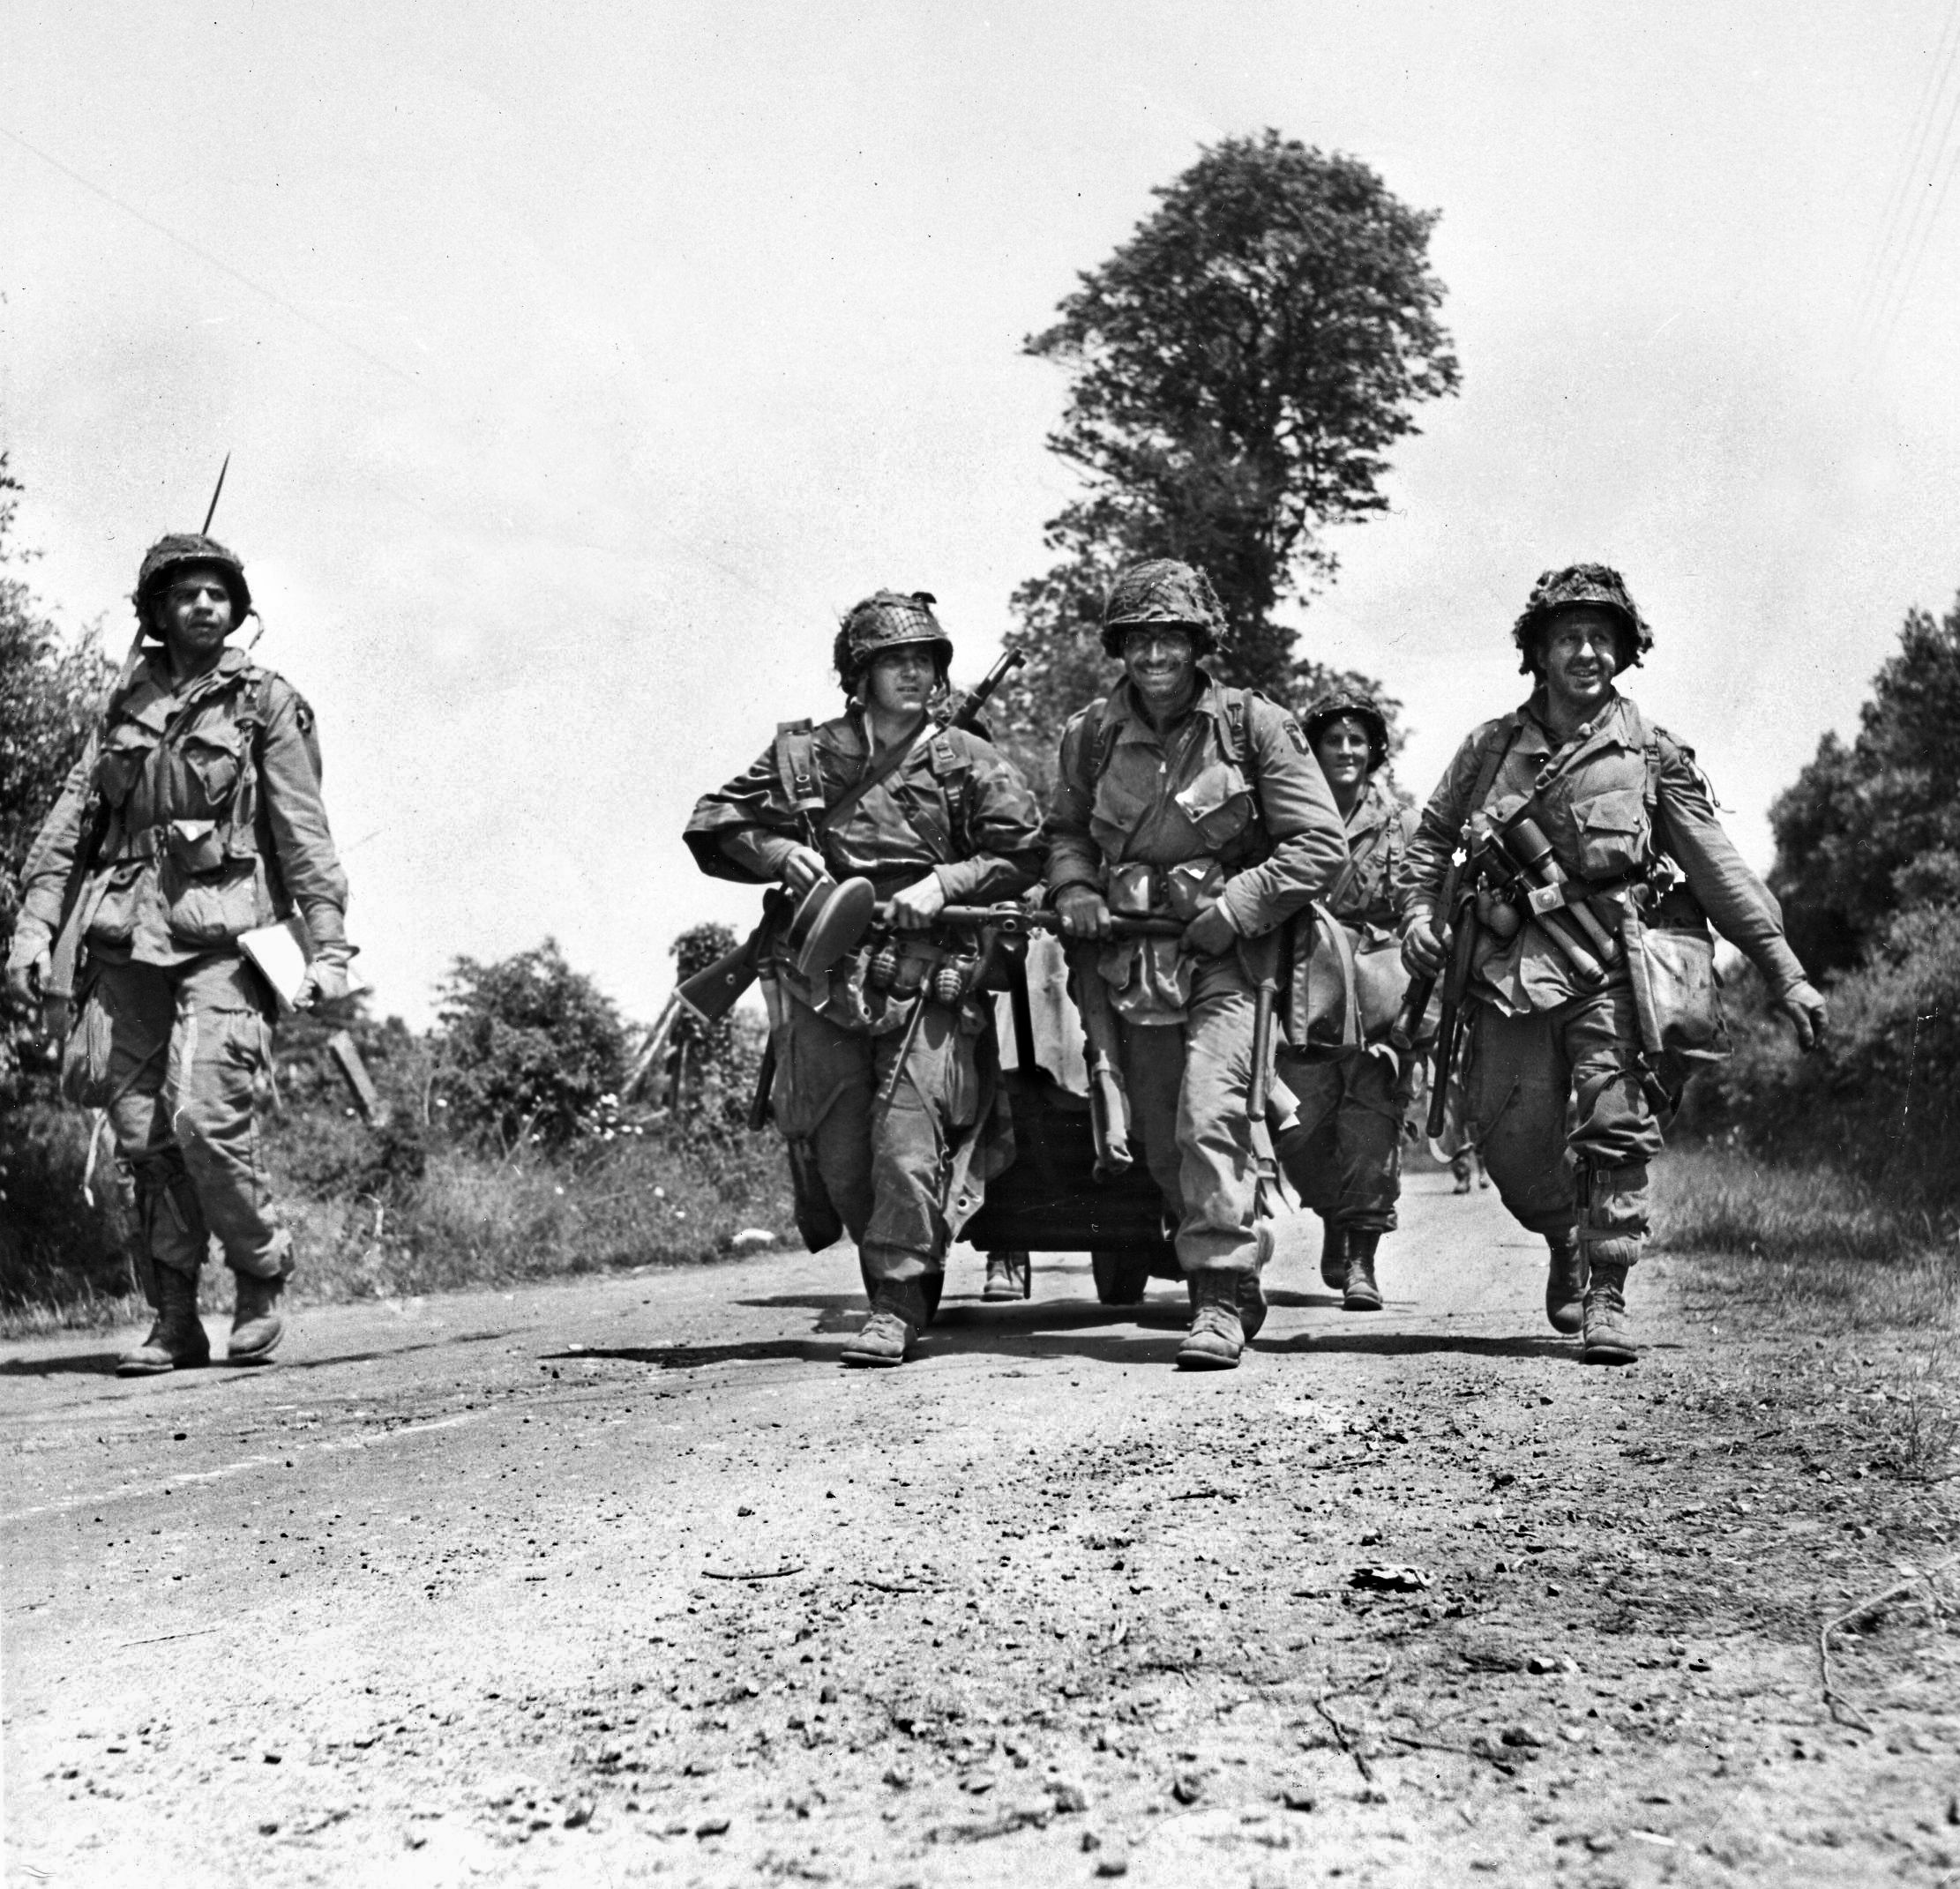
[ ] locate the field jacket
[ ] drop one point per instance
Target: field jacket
(215, 825)
(956, 809)
(1228, 804)
(1616, 797)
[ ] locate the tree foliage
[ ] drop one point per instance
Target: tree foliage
(50, 688)
(1870, 830)
(1239, 370)
(526, 1048)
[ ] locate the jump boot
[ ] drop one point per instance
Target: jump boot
(1565, 1285)
(1334, 1255)
(1613, 1219)
(1216, 1335)
(1010, 1275)
(1609, 1337)
(898, 1315)
(177, 1338)
(1358, 1290)
(257, 1324)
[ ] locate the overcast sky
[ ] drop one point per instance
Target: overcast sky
(580, 362)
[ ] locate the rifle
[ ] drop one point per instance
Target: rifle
(1109, 1102)
(1450, 1027)
(710, 994)
(1415, 1004)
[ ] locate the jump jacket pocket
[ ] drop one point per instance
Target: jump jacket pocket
(1218, 803)
(115, 895)
(1611, 830)
(121, 762)
(209, 908)
(212, 756)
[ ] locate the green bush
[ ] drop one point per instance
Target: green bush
(526, 1049)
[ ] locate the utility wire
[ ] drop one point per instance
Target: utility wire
(204, 255)
(1896, 197)
(1918, 233)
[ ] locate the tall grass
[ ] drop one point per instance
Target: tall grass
(371, 1222)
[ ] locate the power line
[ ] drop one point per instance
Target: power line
(1923, 117)
(1918, 233)
(204, 256)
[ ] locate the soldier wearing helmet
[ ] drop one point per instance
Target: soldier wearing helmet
(193, 817)
(1343, 1153)
(879, 1148)
(1179, 797)
(1606, 1032)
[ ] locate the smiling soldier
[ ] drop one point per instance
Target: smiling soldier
(1180, 798)
(193, 817)
(1566, 1005)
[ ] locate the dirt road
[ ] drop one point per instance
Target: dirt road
(628, 1580)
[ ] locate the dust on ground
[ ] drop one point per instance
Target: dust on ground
(627, 1580)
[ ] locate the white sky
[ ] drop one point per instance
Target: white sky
(596, 355)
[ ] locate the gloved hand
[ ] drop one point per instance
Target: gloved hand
(1082, 912)
(918, 905)
(326, 982)
(29, 963)
(1804, 1004)
(1422, 951)
(1210, 933)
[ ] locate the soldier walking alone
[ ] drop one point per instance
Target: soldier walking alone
(883, 1081)
(1597, 862)
(193, 817)
(1180, 798)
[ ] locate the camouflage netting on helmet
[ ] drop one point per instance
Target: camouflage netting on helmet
(177, 552)
(1576, 586)
(1350, 704)
(1160, 590)
(887, 619)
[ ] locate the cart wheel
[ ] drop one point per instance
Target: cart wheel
(1122, 1277)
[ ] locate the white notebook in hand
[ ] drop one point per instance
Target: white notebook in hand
(279, 952)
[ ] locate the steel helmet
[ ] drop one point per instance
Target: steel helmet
(1599, 585)
(174, 553)
(1160, 590)
(1339, 703)
(887, 619)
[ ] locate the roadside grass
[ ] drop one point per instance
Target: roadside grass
(1811, 1249)
(371, 1222)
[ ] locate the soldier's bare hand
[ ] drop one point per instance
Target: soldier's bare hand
(1804, 1004)
(803, 869)
(1082, 913)
(1422, 951)
(919, 904)
(1210, 933)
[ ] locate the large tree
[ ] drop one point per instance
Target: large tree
(1239, 370)
(1871, 829)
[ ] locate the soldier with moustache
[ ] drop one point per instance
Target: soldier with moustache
(1179, 797)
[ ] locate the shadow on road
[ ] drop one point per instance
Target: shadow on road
(87, 1364)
